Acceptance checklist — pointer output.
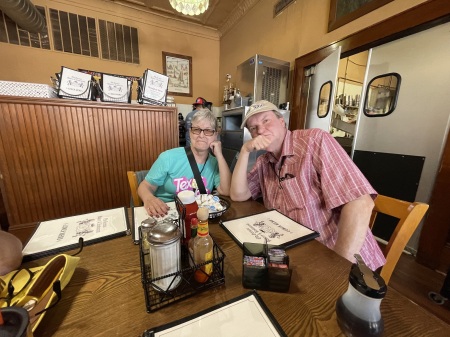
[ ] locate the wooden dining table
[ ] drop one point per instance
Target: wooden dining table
(105, 296)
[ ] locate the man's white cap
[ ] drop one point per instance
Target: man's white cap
(256, 108)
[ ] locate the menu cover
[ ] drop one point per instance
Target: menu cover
(140, 214)
(154, 87)
(55, 236)
(74, 84)
(115, 88)
(245, 315)
(270, 227)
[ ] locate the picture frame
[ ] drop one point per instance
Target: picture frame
(345, 11)
(179, 70)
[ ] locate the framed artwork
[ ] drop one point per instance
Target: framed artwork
(179, 70)
(345, 11)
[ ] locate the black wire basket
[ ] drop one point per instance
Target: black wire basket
(156, 297)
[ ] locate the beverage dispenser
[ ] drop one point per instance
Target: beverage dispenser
(259, 77)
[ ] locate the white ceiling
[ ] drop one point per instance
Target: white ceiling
(220, 15)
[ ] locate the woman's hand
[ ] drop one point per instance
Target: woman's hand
(216, 147)
(155, 207)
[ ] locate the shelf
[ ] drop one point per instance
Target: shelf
(343, 126)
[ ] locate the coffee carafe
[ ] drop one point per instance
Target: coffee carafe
(358, 309)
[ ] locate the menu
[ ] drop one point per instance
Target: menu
(269, 227)
(55, 236)
(246, 315)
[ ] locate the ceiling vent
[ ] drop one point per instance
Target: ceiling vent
(24, 14)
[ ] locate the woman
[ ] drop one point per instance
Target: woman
(172, 173)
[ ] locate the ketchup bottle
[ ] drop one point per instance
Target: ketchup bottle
(190, 204)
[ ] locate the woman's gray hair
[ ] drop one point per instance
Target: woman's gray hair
(205, 114)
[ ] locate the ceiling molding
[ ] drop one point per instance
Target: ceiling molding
(236, 15)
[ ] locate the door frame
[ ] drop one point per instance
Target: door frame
(424, 16)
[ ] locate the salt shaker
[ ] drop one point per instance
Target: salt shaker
(358, 309)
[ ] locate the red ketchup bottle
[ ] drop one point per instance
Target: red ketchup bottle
(190, 204)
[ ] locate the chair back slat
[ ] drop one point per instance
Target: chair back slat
(410, 215)
(134, 179)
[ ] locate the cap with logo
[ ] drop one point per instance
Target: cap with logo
(256, 108)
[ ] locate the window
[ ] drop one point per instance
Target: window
(13, 34)
(324, 99)
(381, 95)
(74, 33)
(118, 42)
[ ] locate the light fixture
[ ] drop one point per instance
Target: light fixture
(190, 7)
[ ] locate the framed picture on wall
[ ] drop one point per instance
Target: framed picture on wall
(179, 70)
(345, 11)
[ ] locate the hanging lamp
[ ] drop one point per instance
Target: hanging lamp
(190, 7)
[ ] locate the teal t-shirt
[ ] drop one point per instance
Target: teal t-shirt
(172, 173)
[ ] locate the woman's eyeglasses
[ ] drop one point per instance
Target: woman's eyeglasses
(15, 288)
(206, 132)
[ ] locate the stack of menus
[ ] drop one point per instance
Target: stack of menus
(153, 88)
(115, 88)
(75, 84)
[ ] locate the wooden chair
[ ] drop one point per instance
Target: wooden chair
(409, 215)
(134, 179)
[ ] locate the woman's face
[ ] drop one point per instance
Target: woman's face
(199, 139)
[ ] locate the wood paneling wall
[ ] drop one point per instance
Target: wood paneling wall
(61, 157)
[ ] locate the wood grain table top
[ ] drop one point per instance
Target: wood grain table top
(105, 296)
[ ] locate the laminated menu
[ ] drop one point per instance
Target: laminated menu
(55, 236)
(245, 315)
(270, 227)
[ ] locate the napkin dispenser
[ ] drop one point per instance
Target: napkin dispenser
(262, 270)
(358, 309)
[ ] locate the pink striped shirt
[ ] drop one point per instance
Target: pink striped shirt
(319, 178)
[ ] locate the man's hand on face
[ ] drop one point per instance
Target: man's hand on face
(258, 143)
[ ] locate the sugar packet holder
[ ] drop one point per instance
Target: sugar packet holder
(265, 267)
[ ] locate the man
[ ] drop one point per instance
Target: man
(10, 252)
(199, 103)
(306, 175)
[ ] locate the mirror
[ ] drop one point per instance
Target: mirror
(381, 95)
(324, 99)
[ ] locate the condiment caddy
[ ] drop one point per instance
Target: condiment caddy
(162, 290)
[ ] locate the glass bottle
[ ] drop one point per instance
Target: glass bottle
(203, 247)
(194, 224)
(146, 226)
(191, 206)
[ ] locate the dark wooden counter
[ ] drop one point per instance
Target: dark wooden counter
(61, 157)
(105, 296)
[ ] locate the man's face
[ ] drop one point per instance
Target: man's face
(270, 126)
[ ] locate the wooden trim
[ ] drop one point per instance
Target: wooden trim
(421, 17)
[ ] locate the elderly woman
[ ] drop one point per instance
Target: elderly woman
(172, 173)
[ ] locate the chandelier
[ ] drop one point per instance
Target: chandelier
(190, 7)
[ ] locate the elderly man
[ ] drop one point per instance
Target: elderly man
(307, 175)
